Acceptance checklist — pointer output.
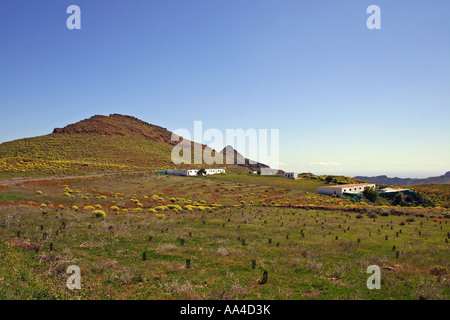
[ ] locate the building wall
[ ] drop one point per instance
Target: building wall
(330, 190)
(291, 175)
(339, 190)
(358, 189)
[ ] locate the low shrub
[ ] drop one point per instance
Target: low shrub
(99, 213)
(438, 270)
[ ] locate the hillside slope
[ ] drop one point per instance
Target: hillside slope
(114, 142)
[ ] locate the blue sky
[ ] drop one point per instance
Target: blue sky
(346, 99)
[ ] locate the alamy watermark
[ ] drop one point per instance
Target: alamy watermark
(74, 20)
(74, 281)
(374, 281)
(374, 21)
(260, 146)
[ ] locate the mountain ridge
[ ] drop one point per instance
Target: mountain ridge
(383, 179)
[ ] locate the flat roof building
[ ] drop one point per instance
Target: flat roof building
(345, 188)
(291, 175)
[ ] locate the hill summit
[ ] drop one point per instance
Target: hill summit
(117, 124)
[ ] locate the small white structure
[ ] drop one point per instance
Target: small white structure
(193, 172)
(291, 175)
(345, 188)
(214, 171)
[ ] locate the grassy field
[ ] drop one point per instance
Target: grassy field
(312, 246)
(302, 184)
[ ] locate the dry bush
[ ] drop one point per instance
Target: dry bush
(234, 291)
(223, 251)
(186, 290)
(171, 266)
(237, 291)
(345, 246)
(427, 289)
(438, 270)
(58, 262)
(340, 269)
(124, 276)
(371, 260)
(314, 265)
(295, 262)
(93, 244)
(164, 248)
(104, 264)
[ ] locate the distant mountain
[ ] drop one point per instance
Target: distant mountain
(109, 142)
(406, 181)
(233, 156)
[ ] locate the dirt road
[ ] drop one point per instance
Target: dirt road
(21, 180)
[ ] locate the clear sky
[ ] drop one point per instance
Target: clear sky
(346, 99)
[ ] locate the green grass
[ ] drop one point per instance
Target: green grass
(11, 196)
(303, 184)
(310, 266)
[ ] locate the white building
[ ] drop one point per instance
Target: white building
(345, 188)
(193, 172)
(214, 171)
(291, 175)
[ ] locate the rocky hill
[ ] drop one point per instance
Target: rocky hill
(114, 142)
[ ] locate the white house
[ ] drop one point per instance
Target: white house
(193, 172)
(291, 175)
(345, 188)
